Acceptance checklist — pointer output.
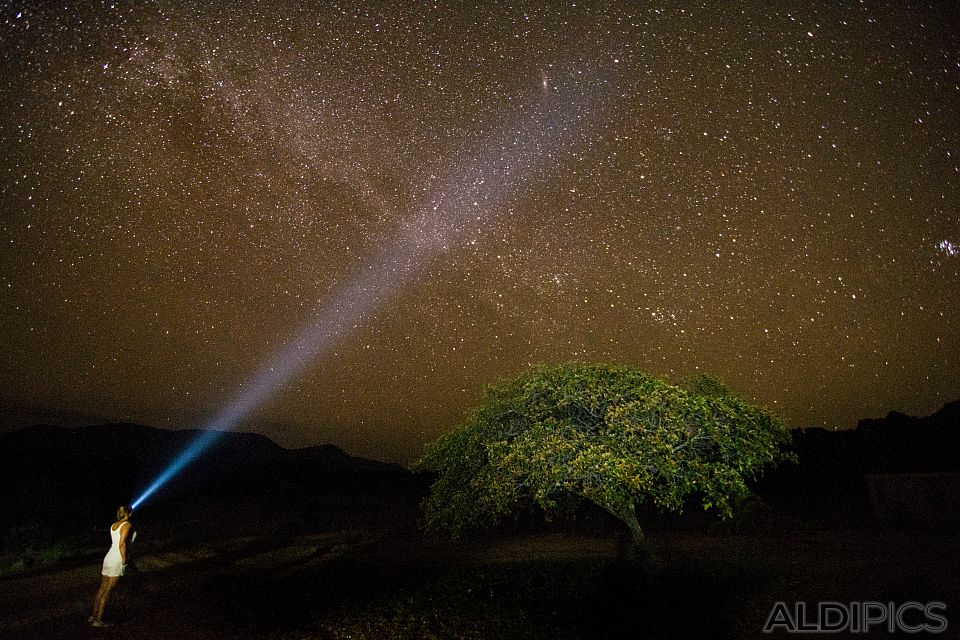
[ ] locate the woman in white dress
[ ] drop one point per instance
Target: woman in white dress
(114, 564)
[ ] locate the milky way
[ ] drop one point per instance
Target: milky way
(768, 193)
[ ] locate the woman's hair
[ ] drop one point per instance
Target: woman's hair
(124, 512)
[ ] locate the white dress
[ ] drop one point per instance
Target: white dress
(113, 562)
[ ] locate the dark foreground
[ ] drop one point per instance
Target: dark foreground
(383, 581)
(254, 541)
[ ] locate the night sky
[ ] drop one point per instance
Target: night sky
(768, 192)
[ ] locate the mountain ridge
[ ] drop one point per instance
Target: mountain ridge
(50, 473)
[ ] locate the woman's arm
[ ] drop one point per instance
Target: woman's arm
(124, 530)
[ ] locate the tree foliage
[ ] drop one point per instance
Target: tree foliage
(612, 435)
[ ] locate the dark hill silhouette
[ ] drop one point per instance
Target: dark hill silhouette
(828, 483)
(68, 479)
(65, 479)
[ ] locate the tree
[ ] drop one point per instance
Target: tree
(614, 436)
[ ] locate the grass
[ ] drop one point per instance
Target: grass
(550, 599)
(32, 547)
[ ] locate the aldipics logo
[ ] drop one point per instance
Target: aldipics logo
(857, 617)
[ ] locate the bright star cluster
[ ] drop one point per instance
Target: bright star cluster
(768, 192)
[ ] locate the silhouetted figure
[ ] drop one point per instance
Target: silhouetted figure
(114, 564)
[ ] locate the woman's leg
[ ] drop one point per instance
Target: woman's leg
(106, 586)
(97, 598)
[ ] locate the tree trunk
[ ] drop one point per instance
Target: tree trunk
(635, 546)
(630, 518)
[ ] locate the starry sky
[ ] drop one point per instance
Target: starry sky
(765, 191)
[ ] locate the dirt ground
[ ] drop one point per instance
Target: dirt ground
(317, 585)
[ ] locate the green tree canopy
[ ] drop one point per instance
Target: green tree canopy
(612, 435)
